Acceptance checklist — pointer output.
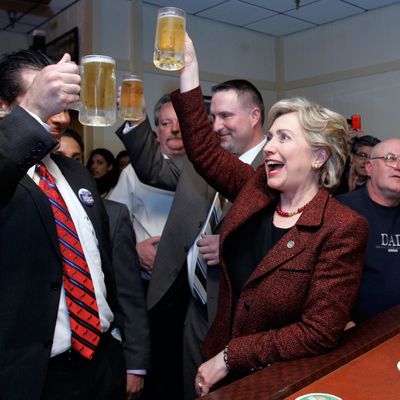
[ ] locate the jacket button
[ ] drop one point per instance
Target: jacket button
(48, 344)
(246, 306)
(40, 145)
(55, 285)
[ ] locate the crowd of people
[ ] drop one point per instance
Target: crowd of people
(201, 253)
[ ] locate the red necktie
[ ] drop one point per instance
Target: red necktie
(78, 285)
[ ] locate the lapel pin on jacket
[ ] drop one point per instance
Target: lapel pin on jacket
(290, 244)
(86, 197)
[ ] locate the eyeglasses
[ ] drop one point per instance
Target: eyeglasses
(362, 155)
(389, 159)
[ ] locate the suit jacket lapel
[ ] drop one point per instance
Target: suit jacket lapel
(258, 160)
(78, 181)
(294, 241)
(288, 247)
(44, 208)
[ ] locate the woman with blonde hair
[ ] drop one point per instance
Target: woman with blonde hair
(290, 262)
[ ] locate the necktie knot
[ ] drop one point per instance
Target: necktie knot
(43, 172)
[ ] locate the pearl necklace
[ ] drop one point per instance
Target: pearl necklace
(289, 213)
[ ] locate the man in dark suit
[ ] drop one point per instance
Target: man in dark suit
(43, 356)
(237, 112)
(126, 266)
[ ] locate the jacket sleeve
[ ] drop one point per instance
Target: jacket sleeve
(23, 142)
(147, 160)
(221, 169)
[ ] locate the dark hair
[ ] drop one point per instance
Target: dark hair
(243, 87)
(122, 153)
(109, 180)
(366, 140)
(74, 135)
(108, 156)
(11, 66)
(166, 98)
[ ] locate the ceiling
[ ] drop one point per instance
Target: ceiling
(273, 17)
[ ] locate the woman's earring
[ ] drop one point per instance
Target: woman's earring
(315, 166)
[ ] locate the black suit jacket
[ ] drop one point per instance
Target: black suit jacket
(30, 260)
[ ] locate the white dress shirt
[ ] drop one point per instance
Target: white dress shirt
(89, 242)
(148, 206)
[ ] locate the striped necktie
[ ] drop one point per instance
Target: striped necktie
(200, 272)
(78, 285)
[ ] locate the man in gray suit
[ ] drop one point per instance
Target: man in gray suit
(237, 113)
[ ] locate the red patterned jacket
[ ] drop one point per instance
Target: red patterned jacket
(297, 301)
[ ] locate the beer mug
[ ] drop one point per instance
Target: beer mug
(97, 97)
(131, 100)
(170, 38)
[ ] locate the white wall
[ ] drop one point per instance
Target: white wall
(352, 66)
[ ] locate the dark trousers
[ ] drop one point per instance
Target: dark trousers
(195, 330)
(166, 329)
(73, 377)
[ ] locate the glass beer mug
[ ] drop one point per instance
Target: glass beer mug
(170, 38)
(98, 87)
(131, 99)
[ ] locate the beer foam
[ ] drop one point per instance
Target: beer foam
(167, 14)
(97, 58)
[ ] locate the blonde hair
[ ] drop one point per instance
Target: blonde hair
(323, 128)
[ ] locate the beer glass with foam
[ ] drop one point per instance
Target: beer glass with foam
(131, 99)
(170, 37)
(97, 97)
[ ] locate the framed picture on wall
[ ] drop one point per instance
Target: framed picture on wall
(66, 43)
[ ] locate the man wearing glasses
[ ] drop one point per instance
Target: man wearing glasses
(379, 202)
(360, 153)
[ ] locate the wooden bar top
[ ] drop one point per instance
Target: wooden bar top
(373, 375)
(282, 379)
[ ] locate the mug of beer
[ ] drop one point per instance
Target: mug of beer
(170, 37)
(97, 97)
(131, 101)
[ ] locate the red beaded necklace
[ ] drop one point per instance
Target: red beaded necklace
(290, 213)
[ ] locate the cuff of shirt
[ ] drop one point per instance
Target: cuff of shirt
(45, 126)
(137, 371)
(128, 127)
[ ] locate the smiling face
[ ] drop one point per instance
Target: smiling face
(384, 184)
(288, 157)
(234, 122)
